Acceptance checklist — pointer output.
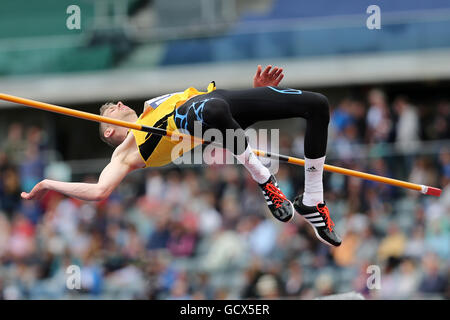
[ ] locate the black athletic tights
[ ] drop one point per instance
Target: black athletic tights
(239, 109)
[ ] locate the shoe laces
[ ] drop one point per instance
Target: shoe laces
(276, 196)
(324, 210)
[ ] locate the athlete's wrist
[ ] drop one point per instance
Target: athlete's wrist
(45, 184)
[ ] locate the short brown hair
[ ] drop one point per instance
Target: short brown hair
(104, 126)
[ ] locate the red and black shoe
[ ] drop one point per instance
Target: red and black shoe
(280, 206)
(319, 218)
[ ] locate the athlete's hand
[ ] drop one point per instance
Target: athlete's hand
(37, 193)
(268, 77)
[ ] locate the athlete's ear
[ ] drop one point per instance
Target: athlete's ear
(108, 132)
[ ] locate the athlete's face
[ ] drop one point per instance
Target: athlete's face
(120, 111)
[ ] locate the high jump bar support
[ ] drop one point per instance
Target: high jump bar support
(158, 131)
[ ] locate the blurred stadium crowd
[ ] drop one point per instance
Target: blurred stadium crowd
(204, 232)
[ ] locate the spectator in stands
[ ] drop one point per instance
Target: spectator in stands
(433, 281)
(341, 116)
(407, 131)
(10, 191)
(439, 128)
(293, 279)
(160, 236)
(182, 240)
(14, 145)
(379, 122)
(393, 245)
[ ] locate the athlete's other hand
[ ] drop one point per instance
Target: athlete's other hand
(37, 193)
(268, 77)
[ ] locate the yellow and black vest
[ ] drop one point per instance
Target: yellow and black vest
(156, 150)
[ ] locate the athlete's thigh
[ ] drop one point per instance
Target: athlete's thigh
(266, 103)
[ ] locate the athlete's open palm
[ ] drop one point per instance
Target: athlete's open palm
(268, 77)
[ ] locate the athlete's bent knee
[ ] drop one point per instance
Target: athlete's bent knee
(321, 107)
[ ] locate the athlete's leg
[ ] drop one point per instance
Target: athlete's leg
(273, 103)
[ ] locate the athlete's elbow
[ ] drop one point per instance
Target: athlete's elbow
(101, 193)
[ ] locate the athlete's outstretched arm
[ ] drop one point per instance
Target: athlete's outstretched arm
(268, 77)
(109, 179)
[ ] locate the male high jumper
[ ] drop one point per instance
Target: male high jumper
(217, 109)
